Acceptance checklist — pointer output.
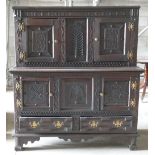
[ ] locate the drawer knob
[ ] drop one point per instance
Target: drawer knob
(50, 94)
(55, 41)
(118, 123)
(34, 124)
(101, 94)
(96, 39)
(93, 124)
(58, 124)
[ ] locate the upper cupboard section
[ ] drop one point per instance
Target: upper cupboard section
(78, 36)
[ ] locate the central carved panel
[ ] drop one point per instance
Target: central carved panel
(36, 93)
(76, 40)
(76, 94)
(39, 41)
(116, 92)
(111, 38)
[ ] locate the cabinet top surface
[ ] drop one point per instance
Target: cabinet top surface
(73, 8)
(77, 69)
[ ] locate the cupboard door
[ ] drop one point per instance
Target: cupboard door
(110, 39)
(76, 93)
(76, 38)
(115, 93)
(40, 40)
(36, 94)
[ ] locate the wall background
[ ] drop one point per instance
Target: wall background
(143, 23)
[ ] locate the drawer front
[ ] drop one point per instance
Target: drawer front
(45, 124)
(106, 124)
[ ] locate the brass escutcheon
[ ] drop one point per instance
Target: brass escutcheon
(118, 123)
(93, 124)
(58, 124)
(34, 124)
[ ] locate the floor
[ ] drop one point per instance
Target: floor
(97, 146)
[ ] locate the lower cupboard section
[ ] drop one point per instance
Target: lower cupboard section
(113, 124)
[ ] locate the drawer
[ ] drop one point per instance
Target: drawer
(45, 124)
(106, 124)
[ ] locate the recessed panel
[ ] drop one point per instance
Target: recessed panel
(76, 39)
(111, 38)
(39, 41)
(76, 94)
(116, 92)
(36, 94)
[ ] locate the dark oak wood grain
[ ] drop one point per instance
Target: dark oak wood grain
(75, 75)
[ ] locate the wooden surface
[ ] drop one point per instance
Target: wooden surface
(79, 81)
(77, 69)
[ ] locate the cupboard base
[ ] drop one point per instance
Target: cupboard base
(21, 139)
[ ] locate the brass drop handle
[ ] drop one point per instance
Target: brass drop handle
(34, 124)
(117, 123)
(93, 124)
(96, 39)
(58, 124)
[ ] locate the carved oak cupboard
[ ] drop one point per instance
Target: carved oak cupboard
(76, 76)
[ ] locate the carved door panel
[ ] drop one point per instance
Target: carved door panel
(76, 93)
(110, 39)
(40, 40)
(115, 93)
(76, 38)
(36, 94)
